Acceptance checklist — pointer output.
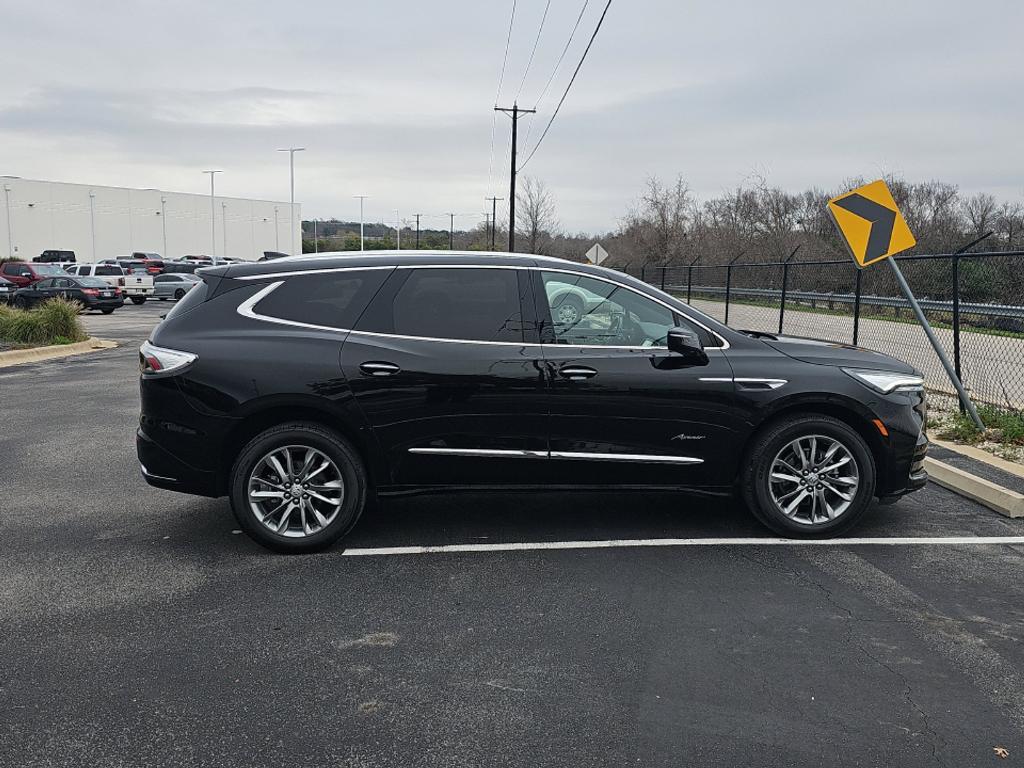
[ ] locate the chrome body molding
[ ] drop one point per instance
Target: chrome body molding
(574, 455)
(766, 383)
(495, 452)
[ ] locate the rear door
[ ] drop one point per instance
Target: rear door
(450, 377)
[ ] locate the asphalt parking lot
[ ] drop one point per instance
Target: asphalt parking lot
(139, 628)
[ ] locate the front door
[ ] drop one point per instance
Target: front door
(450, 377)
(625, 410)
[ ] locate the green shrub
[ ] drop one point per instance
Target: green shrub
(53, 322)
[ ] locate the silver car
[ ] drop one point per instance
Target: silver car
(173, 285)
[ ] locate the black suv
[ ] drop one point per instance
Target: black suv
(301, 387)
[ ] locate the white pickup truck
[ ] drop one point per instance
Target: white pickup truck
(136, 286)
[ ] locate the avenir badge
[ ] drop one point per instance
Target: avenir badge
(870, 223)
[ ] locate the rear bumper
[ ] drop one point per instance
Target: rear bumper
(162, 469)
(105, 303)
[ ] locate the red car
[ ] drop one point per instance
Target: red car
(154, 264)
(24, 274)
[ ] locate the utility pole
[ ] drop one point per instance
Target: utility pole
(213, 214)
(487, 227)
(494, 217)
(316, 242)
(515, 113)
(291, 176)
(418, 230)
(361, 199)
(451, 231)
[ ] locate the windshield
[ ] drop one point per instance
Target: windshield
(50, 269)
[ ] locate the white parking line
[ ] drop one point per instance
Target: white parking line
(709, 542)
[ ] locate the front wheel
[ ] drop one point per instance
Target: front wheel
(106, 311)
(179, 294)
(809, 476)
(298, 487)
(138, 300)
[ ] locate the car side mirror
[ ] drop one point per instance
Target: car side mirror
(686, 344)
(26, 274)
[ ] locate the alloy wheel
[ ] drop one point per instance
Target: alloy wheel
(296, 491)
(813, 479)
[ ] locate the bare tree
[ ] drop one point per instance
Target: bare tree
(981, 211)
(535, 214)
(658, 223)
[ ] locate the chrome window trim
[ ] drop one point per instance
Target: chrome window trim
(571, 455)
(247, 308)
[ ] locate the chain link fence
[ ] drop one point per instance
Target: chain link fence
(975, 302)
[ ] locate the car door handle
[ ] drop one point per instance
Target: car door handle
(576, 372)
(379, 369)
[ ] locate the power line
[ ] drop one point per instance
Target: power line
(569, 86)
(529, 62)
(551, 78)
(497, 93)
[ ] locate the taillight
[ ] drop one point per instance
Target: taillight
(120, 281)
(90, 292)
(158, 360)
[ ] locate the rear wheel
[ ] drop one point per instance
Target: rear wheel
(106, 311)
(809, 476)
(20, 302)
(298, 487)
(138, 300)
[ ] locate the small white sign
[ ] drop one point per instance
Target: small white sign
(597, 254)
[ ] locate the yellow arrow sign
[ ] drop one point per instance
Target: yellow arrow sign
(870, 223)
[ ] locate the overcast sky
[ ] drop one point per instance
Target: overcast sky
(393, 98)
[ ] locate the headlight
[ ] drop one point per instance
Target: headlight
(885, 381)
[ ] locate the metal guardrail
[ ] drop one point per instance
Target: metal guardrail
(991, 310)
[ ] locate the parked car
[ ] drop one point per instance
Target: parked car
(154, 264)
(137, 286)
(21, 273)
(180, 267)
(299, 388)
(55, 256)
(90, 292)
(7, 289)
(271, 255)
(174, 285)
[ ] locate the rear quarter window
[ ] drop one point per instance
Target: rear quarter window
(328, 299)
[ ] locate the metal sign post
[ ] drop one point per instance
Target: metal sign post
(965, 399)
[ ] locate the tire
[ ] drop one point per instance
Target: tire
(20, 302)
(162, 298)
(137, 300)
(768, 495)
(567, 309)
(297, 438)
(179, 294)
(106, 311)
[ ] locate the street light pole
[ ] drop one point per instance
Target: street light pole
(451, 231)
(163, 221)
(361, 238)
(291, 176)
(10, 225)
(316, 242)
(398, 231)
(92, 221)
(224, 224)
(277, 234)
(213, 214)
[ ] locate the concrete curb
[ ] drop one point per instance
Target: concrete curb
(1002, 500)
(34, 355)
(983, 456)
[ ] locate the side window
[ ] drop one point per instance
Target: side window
(163, 279)
(588, 311)
(43, 284)
(465, 304)
(10, 269)
(330, 299)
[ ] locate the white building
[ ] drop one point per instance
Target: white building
(102, 222)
